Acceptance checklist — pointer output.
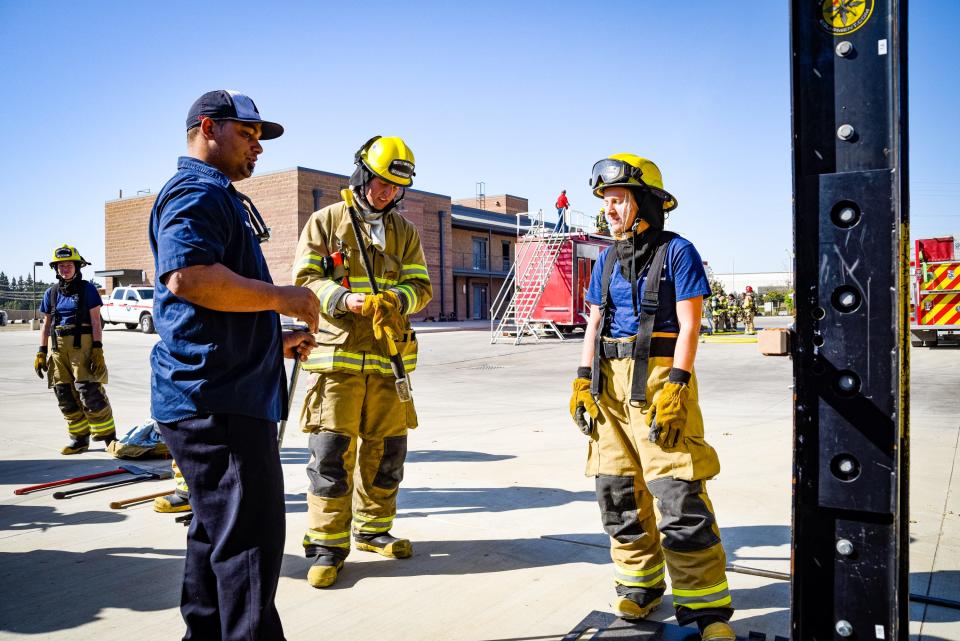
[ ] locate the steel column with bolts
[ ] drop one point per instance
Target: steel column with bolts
(851, 436)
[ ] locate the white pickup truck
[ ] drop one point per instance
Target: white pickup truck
(132, 306)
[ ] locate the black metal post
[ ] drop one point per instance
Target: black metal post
(851, 433)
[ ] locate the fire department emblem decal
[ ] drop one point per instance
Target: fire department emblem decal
(841, 17)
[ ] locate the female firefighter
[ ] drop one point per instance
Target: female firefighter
(73, 360)
(636, 381)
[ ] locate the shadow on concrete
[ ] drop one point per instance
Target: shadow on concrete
(58, 590)
(458, 558)
(35, 472)
(467, 500)
(14, 518)
(454, 456)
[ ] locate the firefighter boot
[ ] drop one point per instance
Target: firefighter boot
(171, 503)
(325, 570)
(635, 604)
(384, 544)
(107, 438)
(717, 631)
(79, 443)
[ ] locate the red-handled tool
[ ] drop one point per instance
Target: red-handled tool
(76, 479)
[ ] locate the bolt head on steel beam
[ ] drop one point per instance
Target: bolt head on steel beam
(844, 628)
(845, 132)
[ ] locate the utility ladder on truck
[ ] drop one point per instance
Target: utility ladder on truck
(538, 255)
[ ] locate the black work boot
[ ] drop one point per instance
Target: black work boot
(325, 570)
(384, 544)
(77, 445)
(636, 603)
(107, 438)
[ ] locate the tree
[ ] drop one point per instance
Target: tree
(4, 282)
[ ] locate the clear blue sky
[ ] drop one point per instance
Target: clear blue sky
(524, 96)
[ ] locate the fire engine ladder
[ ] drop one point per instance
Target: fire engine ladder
(517, 320)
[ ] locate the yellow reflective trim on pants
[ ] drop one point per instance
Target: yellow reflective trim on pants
(640, 578)
(102, 428)
(373, 526)
(697, 599)
(335, 540)
(78, 427)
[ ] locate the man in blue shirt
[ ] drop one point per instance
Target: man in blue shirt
(218, 386)
(75, 369)
(636, 380)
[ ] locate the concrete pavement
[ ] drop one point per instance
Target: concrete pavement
(507, 537)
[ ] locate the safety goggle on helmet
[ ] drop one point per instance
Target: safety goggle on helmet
(630, 170)
(389, 158)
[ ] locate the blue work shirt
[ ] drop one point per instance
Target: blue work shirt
(683, 277)
(210, 362)
(67, 305)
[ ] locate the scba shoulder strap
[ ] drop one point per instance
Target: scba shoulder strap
(649, 304)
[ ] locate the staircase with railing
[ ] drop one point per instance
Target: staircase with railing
(511, 316)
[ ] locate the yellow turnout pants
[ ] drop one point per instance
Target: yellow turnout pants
(80, 395)
(653, 501)
(358, 443)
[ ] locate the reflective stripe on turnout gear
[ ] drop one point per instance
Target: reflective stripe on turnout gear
(334, 540)
(717, 596)
(365, 362)
(365, 525)
(640, 578)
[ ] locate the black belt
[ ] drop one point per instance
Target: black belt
(67, 330)
(659, 346)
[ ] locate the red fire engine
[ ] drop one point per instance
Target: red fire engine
(935, 313)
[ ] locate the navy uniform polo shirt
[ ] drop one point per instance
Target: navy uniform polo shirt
(207, 361)
(683, 277)
(67, 305)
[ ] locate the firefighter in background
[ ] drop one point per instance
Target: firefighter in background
(356, 421)
(71, 352)
(636, 380)
(733, 312)
(718, 306)
(602, 227)
(749, 310)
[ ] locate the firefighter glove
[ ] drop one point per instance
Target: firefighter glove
(384, 310)
(97, 366)
(582, 402)
(668, 416)
(40, 362)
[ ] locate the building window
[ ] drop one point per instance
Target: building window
(480, 254)
(505, 255)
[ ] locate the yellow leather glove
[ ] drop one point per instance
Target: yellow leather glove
(668, 416)
(582, 402)
(40, 362)
(384, 310)
(97, 365)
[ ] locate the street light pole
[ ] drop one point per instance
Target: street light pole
(35, 265)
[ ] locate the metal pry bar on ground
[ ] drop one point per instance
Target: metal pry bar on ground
(140, 474)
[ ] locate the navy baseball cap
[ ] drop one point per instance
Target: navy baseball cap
(224, 104)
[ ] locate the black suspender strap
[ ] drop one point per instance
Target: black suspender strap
(608, 265)
(81, 310)
(52, 293)
(649, 303)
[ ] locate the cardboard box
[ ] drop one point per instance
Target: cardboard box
(774, 342)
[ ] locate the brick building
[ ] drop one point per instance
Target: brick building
(469, 250)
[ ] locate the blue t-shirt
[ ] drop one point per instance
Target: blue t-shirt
(67, 305)
(683, 277)
(210, 362)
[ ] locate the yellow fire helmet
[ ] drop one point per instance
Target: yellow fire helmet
(389, 158)
(67, 254)
(625, 170)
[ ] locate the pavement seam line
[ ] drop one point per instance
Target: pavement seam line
(943, 520)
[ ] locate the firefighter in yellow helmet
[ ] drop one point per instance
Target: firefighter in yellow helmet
(356, 421)
(71, 352)
(635, 396)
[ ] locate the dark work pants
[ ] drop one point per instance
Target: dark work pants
(235, 541)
